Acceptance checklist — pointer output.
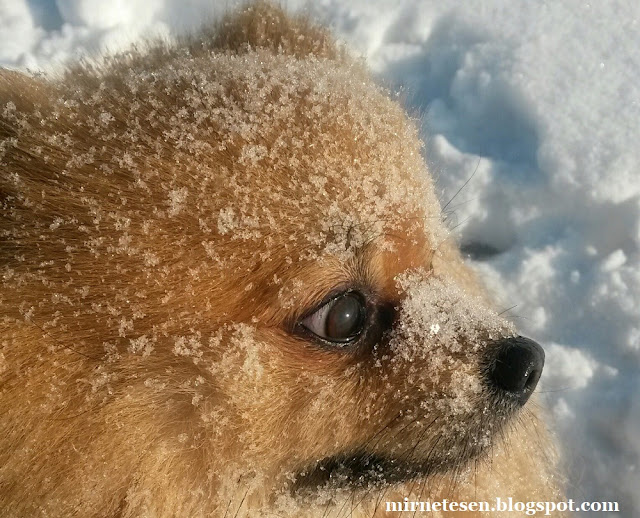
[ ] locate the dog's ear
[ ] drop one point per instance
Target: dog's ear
(267, 26)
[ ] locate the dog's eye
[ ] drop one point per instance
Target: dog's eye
(340, 320)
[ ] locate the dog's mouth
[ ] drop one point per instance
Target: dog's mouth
(366, 470)
(361, 470)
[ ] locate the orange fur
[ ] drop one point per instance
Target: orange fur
(167, 218)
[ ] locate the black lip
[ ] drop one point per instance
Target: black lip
(361, 470)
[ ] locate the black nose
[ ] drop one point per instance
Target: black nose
(517, 366)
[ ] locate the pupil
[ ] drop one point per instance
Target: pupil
(345, 318)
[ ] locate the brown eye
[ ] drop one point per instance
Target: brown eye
(340, 320)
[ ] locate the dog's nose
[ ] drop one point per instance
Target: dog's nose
(517, 366)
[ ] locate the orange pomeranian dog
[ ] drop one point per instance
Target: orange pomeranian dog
(227, 291)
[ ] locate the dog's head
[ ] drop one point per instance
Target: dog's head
(248, 245)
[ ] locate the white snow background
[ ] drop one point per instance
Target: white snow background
(537, 104)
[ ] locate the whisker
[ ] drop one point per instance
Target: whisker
(241, 502)
(507, 310)
(463, 186)
(46, 333)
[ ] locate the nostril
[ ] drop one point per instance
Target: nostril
(517, 366)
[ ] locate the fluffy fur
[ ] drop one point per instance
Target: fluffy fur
(168, 218)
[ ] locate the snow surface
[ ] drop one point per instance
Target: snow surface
(537, 106)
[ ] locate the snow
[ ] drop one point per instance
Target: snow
(537, 106)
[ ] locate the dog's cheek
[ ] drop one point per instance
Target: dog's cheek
(282, 406)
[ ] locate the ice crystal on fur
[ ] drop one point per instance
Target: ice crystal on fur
(168, 216)
(451, 318)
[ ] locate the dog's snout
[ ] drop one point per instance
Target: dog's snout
(517, 367)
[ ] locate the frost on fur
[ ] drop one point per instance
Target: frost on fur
(167, 218)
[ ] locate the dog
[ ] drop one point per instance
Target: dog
(227, 290)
